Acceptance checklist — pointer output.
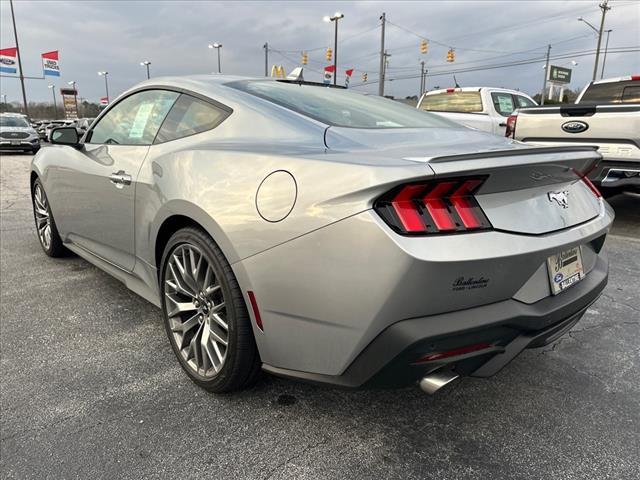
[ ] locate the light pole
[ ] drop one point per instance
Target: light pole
(53, 94)
(335, 19)
(146, 63)
(606, 47)
(106, 83)
(4, 98)
(15, 35)
(604, 7)
(75, 96)
(217, 46)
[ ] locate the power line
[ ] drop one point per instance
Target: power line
(630, 49)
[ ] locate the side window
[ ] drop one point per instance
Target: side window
(631, 94)
(503, 103)
(135, 120)
(524, 102)
(189, 116)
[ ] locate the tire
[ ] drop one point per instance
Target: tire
(196, 330)
(35, 150)
(50, 241)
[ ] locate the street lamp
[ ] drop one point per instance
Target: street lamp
(146, 63)
(53, 94)
(604, 7)
(335, 19)
(75, 95)
(106, 83)
(217, 46)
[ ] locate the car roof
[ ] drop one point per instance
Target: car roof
(474, 89)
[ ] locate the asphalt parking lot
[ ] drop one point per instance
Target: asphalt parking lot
(91, 389)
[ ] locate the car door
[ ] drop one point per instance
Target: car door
(99, 184)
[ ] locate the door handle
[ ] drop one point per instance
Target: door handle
(120, 178)
(502, 124)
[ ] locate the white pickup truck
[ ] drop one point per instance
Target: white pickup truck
(606, 115)
(484, 108)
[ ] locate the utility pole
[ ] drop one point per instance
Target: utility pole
(15, 34)
(266, 59)
(53, 94)
(546, 76)
(604, 59)
(422, 80)
(604, 7)
(383, 19)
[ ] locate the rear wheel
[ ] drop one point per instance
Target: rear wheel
(205, 315)
(50, 240)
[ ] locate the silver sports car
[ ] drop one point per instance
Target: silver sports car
(325, 235)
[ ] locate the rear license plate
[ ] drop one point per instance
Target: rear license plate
(15, 142)
(565, 269)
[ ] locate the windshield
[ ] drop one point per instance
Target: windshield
(13, 122)
(340, 107)
(612, 92)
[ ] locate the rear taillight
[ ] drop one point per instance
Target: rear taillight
(510, 132)
(635, 77)
(443, 206)
(592, 187)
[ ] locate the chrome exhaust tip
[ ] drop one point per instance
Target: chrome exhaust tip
(436, 380)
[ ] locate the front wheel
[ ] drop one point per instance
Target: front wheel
(205, 315)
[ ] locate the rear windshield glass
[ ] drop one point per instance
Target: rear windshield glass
(611, 92)
(341, 108)
(462, 102)
(13, 122)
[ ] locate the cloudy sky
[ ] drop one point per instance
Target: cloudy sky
(117, 35)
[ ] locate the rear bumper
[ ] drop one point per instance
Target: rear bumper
(507, 327)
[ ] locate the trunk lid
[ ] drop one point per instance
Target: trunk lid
(529, 190)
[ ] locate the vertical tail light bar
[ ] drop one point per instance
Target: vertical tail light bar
(510, 131)
(443, 206)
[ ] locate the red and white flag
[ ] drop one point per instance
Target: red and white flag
(8, 60)
(328, 73)
(51, 64)
(348, 74)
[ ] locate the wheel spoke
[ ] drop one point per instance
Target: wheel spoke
(216, 318)
(195, 306)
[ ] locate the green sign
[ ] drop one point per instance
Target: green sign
(559, 74)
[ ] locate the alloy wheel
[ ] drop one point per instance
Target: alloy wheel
(43, 219)
(196, 310)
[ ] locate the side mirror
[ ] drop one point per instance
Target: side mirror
(65, 136)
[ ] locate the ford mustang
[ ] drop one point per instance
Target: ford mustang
(325, 235)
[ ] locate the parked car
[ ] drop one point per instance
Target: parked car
(83, 125)
(606, 115)
(50, 126)
(484, 108)
(325, 235)
(17, 134)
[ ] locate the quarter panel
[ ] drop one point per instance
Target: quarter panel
(324, 296)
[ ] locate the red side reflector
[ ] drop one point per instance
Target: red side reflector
(451, 90)
(635, 77)
(254, 307)
(452, 353)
